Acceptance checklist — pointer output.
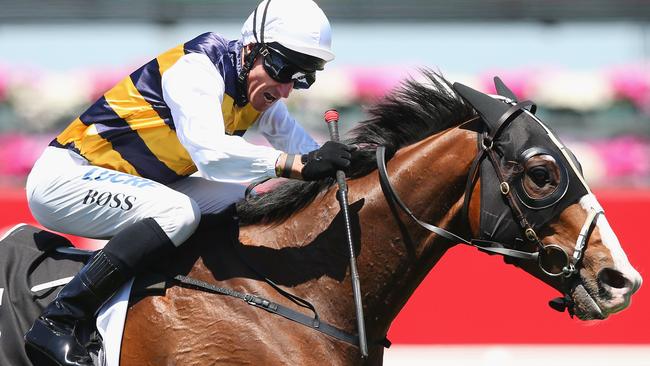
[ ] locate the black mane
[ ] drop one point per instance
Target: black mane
(410, 113)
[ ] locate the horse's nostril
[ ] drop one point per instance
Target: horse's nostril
(614, 278)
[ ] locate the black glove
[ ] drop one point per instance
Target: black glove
(324, 162)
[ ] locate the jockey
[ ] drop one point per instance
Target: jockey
(124, 170)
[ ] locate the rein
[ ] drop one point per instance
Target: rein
(486, 143)
(274, 308)
(494, 247)
(314, 323)
(393, 198)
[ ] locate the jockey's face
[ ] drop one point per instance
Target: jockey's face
(263, 91)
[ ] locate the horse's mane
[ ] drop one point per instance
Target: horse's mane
(411, 112)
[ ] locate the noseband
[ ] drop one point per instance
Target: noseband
(486, 142)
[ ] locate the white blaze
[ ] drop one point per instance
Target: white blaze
(588, 202)
(611, 242)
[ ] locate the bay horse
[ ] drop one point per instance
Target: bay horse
(461, 164)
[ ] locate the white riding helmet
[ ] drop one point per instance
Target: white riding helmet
(299, 25)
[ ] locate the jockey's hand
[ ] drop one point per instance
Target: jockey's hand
(325, 161)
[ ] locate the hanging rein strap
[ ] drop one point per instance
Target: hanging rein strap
(259, 302)
(483, 245)
(271, 307)
(390, 194)
(275, 308)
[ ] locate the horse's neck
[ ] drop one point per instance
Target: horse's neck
(429, 177)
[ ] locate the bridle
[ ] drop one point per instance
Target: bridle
(543, 252)
(493, 247)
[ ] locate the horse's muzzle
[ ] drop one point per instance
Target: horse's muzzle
(615, 289)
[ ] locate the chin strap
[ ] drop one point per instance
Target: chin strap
(242, 78)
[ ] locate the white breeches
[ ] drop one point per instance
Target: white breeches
(68, 195)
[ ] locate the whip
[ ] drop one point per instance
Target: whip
(332, 119)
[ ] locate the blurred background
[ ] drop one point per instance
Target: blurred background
(586, 63)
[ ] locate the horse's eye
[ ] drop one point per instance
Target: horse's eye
(539, 175)
(543, 175)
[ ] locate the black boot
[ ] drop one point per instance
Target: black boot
(54, 333)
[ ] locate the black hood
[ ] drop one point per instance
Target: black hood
(519, 136)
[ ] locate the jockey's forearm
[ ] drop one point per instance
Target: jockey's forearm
(289, 166)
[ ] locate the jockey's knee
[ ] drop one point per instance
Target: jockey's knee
(180, 219)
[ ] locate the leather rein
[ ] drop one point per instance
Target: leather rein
(486, 142)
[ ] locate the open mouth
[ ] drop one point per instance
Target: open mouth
(585, 306)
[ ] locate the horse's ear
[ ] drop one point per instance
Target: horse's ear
(503, 90)
(489, 108)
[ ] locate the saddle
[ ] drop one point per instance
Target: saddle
(31, 272)
(34, 265)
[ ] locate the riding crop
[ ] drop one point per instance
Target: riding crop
(332, 119)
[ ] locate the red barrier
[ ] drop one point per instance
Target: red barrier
(471, 297)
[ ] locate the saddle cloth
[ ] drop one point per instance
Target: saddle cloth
(110, 324)
(32, 271)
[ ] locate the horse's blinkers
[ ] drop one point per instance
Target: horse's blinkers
(496, 221)
(514, 135)
(511, 136)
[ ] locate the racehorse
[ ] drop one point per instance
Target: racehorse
(437, 165)
(478, 166)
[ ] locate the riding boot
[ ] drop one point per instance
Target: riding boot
(55, 332)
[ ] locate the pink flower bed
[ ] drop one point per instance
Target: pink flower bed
(633, 83)
(19, 152)
(4, 83)
(371, 83)
(102, 80)
(624, 156)
(519, 81)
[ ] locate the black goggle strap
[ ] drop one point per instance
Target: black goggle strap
(249, 60)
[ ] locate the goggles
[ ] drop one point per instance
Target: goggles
(282, 70)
